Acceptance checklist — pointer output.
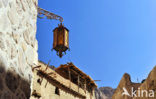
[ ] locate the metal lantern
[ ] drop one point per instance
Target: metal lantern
(60, 41)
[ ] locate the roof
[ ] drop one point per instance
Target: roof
(75, 72)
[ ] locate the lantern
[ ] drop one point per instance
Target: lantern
(60, 41)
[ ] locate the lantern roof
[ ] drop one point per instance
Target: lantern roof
(61, 26)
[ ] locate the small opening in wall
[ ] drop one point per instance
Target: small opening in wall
(57, 91)
(39, 81)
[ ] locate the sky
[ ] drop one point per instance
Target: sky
(107, 38)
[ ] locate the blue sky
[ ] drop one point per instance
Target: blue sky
(107, 37)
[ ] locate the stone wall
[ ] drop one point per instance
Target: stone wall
(44, 87)
(46, 90)
(18, 47)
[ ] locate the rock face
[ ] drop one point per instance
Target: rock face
(144, 90)
(18, 47)
(104, 93)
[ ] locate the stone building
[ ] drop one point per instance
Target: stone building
(64, 82)
(18, 56)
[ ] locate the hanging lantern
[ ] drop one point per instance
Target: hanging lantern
(60, 41)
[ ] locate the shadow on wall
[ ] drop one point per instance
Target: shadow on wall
(12, 86)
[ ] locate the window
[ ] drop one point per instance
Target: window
(39, 81)
(57, 91)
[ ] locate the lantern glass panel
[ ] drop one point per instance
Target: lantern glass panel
(66, 38)
(60, 37)
(55, 38)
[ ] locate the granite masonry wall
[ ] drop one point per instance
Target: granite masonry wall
(18, 47)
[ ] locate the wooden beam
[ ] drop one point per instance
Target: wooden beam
(36, 67)
(77, 73)
(69, 76)
(85, 86)
(47, 65)
(78, 82)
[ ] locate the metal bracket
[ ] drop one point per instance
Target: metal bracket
(48, 14)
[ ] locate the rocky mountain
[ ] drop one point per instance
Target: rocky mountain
(129, 90)
(104, 93)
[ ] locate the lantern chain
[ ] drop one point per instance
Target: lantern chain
(48, 14)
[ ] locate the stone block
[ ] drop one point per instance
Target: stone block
(1, 83)
(12, 15)
(2, 44)
(12, 80)
(25, 88)
(20, 7)
(24, 46)
(1, 5)
(20, 95)
(21, 60)
(5, 2)
(26, 36)
(6, 95)
(3, 64)
(13, 51)
(16, 36)
(5, 24)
